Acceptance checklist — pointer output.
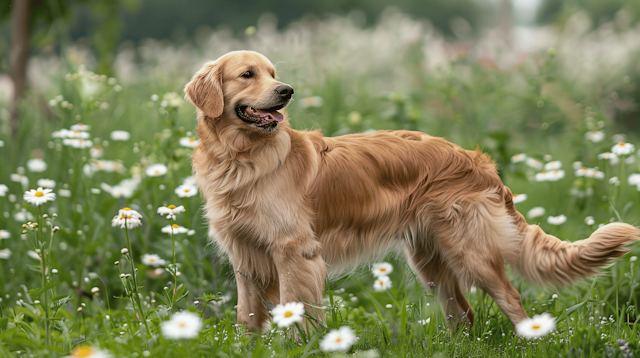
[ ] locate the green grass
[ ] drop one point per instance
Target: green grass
(537, 107)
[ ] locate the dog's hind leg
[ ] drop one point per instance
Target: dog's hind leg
(435, 274)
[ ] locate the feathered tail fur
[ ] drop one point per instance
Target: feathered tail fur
(545, 259)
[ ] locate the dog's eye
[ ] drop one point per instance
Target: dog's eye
(247, 74)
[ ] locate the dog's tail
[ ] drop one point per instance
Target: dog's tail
(545, 259)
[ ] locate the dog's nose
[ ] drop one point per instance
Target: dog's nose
(285, 91)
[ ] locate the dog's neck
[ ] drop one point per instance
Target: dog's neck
(224, 142)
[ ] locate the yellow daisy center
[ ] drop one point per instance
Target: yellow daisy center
(82, 352)
(152, 259)
(157, 172)
(621, 144)
(192, 139)
(171, 206)
(39, 194)
(382, 269)
(543, 172)
(514, 195)
(536, 326)
(187, 190)
(182, 324)
(127, 209)
(288, 314)
(339, 339)
(175, 226)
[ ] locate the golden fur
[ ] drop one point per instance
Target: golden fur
(288, 207)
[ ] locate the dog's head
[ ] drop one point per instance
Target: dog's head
(240, 86)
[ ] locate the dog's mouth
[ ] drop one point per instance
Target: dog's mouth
(267, 118)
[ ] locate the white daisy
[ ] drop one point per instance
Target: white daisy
(189, 142)
(594, 174)
(285, 316)
(120, 136)
(156, 170)
(382, 283)
(47, 183)
(153, 260)
(182, 325)
(615, 181)
(534, 163)
(424, 322)
(555, 175)
(555, 165)
(88, 352)
(557, 220)
(34, 255)
(78, 143)
(576, 165)
(186, 190)
(36, 165)
(518, 198)
(517, 158)
(634, 179)
(37, 197)
(128, 217)
(177, 229)
(171, 211)
(312, 101)
(542, 176)
(5, 254)
(589, 220)
(623, 148)
(581, 172)
(3, 190)
(64, 193)
(80, 127)
(338, 340)
(381, 269)
(595, 136)
(96, 151)
(76, 134)
(611, 157)
(23, 216)
(4, 234)
(538, 326)
(535, 212)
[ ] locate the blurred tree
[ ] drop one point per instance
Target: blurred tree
(559, 11)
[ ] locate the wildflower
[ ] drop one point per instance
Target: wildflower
(542, 176)
(3, 190)
(186, 190)
(153, 260)
(424, 322)
(555, 175)
(557, 220)
(95, 290)
(128, 217)
(177, 229)
(287, 314)
(23, 216)
(538, 326)
(517, 158)
(623, 148)
(338, 340)
(595, 136)
(555, 165)
(34, 255)
(382, 269)
(156, 170)
(77, 143)
(124, 189)
(589, 220)
(633, 258)
(124, 251)
(382, 283)
(4, 234)
(64, 193)
(181, 325)
(88, 352)
(170, 211)
(120, 136)
(611, 157)
(96, 151)
(518, 198)
(614, 181)
(171, 99)
(46, 183)
(5, 254)
(594, 174)
(581, 172)
(534, 163)
(189, 142)
(39, 196)
(36, 165)
(75, 134)
(80, 127)
(634, 179)
(554, 296)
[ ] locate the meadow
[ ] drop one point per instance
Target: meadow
(76, 283)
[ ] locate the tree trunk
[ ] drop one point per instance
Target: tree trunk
(20, 25)
(506, 21)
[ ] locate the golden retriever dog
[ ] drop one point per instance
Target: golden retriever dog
(289, 207)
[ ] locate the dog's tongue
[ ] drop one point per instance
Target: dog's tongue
(264, 115)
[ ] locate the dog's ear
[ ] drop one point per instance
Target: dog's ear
(205, 90)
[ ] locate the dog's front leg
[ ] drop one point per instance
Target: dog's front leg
(301, 274)
(252, 311)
